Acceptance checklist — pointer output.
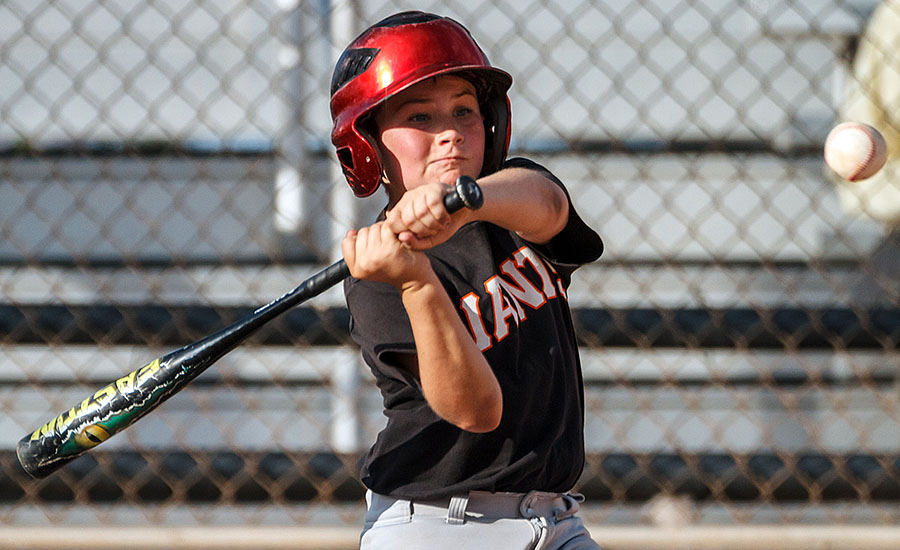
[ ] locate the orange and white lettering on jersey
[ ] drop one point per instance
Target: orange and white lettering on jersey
(507, 293)
(469, 305)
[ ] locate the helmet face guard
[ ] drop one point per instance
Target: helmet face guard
(393, 55)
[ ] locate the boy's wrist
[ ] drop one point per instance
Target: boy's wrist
(419, 286)
(468, 215)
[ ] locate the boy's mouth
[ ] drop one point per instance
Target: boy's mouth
(449, 161)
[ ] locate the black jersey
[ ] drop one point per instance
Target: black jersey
(511, 295)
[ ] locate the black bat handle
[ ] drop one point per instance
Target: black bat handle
(465, 194)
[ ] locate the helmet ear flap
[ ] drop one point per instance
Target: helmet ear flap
(345, 157)
(360, 162)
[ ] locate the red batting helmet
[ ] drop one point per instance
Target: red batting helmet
(391, 56)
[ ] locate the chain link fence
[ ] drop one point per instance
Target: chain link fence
(165, 168)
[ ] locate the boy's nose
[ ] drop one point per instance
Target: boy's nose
(450, 135)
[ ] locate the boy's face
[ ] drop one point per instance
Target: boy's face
(433, 131)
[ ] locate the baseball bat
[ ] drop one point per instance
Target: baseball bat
(116, 406)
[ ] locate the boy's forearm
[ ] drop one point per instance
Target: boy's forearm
(524, 201)
(456, 379)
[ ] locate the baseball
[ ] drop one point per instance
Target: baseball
(855, 151)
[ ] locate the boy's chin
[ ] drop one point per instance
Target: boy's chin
(449, 177)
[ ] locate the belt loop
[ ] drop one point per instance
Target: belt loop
(525, 509)
(572, 500)
(456, 512)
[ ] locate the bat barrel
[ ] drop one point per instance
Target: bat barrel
(107, 411)
(116, 406)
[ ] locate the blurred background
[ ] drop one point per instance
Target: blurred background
(166, 168)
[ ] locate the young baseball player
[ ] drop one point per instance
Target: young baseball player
(462, 318)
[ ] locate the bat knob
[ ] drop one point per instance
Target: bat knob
(466, 194)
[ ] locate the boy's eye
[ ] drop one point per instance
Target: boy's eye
(418, 117)
(463, 111)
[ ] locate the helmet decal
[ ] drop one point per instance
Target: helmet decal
(351, 64)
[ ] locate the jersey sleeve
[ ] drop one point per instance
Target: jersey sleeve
(380, 326)
(577, 244)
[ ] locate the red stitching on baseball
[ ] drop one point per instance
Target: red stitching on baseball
(869, 156)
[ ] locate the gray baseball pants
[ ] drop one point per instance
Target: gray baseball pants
(505, 521)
